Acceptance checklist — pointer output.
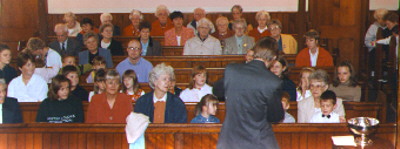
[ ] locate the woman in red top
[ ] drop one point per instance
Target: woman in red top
(110, 106)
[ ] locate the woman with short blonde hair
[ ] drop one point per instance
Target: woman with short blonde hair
(262, 18)
(110, 106)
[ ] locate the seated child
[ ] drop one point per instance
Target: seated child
(60, 106)
(285, 104)
(326, 115)
(173, 88)
(131, 86)
(98, 63)
(198, 87)
(99, 83)
(70, 61)
(249, 55)
(72, 74)
(206, 109)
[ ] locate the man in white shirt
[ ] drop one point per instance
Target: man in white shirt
(51, 59)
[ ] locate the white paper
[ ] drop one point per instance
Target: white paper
(343, 140)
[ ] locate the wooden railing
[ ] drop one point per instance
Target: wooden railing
(352, 109)
(163, 136)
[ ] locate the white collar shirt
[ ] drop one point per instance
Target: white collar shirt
(318, 118)
(314, 58)
(35, 91)
(195, 95)
(162, 99)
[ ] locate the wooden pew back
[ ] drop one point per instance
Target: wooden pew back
(159, 136)
(352, 109)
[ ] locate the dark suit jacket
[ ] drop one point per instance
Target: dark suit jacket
(115, 47)
(253, 101)
(11, 111)
(154, 48)
(175, 110)
(84, 57)
(73, 47)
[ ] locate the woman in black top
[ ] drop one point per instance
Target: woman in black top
(107, 42)
(60, 106)
(6, 71)
(279, 67)
(9, 107)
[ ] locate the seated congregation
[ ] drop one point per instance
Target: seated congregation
(83, 50)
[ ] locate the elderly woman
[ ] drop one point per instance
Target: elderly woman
(163, 23)
(237, 12)
(87, 26)
(319, 83)
(106, 18)
(222, 29)
(198, 14)
(178, 35)
(262, 18)
(133, 29)
(345, 85)
(110, 106)
(150, 47)
(203, 43)
(91, 41)
(73, 26)
(28, 87)
(286, 42)
(239, 43)
(160, 105)
(107, 42)
(9, 107)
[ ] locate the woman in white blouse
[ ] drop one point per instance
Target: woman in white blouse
(27, 87)
(203, 43)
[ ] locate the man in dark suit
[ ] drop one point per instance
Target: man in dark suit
(64, 45)
(252, 101)
(10, 111)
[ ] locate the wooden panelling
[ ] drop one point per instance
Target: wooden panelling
(352, 109)
(188, 136)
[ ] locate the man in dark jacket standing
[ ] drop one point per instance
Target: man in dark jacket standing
(252, 101)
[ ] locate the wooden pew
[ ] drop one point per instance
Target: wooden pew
(183, 76)
(123, 39)
(178, 136)
(352, 109)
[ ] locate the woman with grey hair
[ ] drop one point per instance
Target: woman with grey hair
(262, 18)
(240, 42)
(73, 26)
(110, 106)
(160, 105)
(106, 18)
(319, 83)
(9, 106)
(163, 23)
(91, 41)
(133, 29)
(203, 43)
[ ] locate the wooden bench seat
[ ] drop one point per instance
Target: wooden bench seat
(166, 136)
(352, 109)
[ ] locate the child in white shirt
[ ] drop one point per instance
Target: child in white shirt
(285, 104)
(326, 115)
(198, 87)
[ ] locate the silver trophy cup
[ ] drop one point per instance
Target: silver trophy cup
(362, 127)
